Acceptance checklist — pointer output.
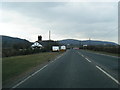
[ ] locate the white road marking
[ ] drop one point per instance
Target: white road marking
(79, 53)
(82, 55)
(34, 73)
(102, 69)
(52, 61)
(108, 75)
(29, 77)
(87, 59)
(59, 56)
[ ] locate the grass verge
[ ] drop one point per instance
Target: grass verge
(106, 53)
(13, 67)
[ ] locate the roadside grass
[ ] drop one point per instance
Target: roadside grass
(17, 65)
(102, 52)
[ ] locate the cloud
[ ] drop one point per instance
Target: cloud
(16, 24)
(65, 20)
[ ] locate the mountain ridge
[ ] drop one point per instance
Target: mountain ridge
(8, 41)
(86, 42)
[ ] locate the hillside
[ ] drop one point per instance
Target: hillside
(9, 42)
(85, 42)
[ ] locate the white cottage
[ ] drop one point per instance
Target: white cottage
(36, 45)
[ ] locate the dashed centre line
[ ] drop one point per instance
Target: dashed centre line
(84, 57)
(115, 80)
(87, 59)
(81, 54)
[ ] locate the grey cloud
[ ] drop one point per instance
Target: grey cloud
(83, 12)
(87, 19)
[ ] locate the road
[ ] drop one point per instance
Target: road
(75, 69)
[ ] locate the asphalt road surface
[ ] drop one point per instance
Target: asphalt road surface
(75, 69)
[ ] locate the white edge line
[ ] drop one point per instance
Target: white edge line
(34, 73)
(108, 75)
(29, 77)
(52, 61)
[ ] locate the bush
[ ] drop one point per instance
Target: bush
(108, 48)
(15, 52)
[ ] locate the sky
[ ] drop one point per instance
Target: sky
(65, 20)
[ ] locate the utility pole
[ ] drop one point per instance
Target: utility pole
(89, 46)
(89, 41)
(79, 44)
(49, 41)
(49, 34)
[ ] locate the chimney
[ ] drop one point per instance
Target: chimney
(39, 38)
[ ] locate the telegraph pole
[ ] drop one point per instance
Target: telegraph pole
(89, 41)
(49, 34)
(49, 41)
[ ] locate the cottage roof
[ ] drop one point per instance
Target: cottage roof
(36, 44)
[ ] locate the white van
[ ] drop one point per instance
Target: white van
(63, 48)
(55, 48)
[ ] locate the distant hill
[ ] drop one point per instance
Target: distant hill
(85, 42)
(9, 42)
(69, 41)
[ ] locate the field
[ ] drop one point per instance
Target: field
(16, 67)
(107, 53)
